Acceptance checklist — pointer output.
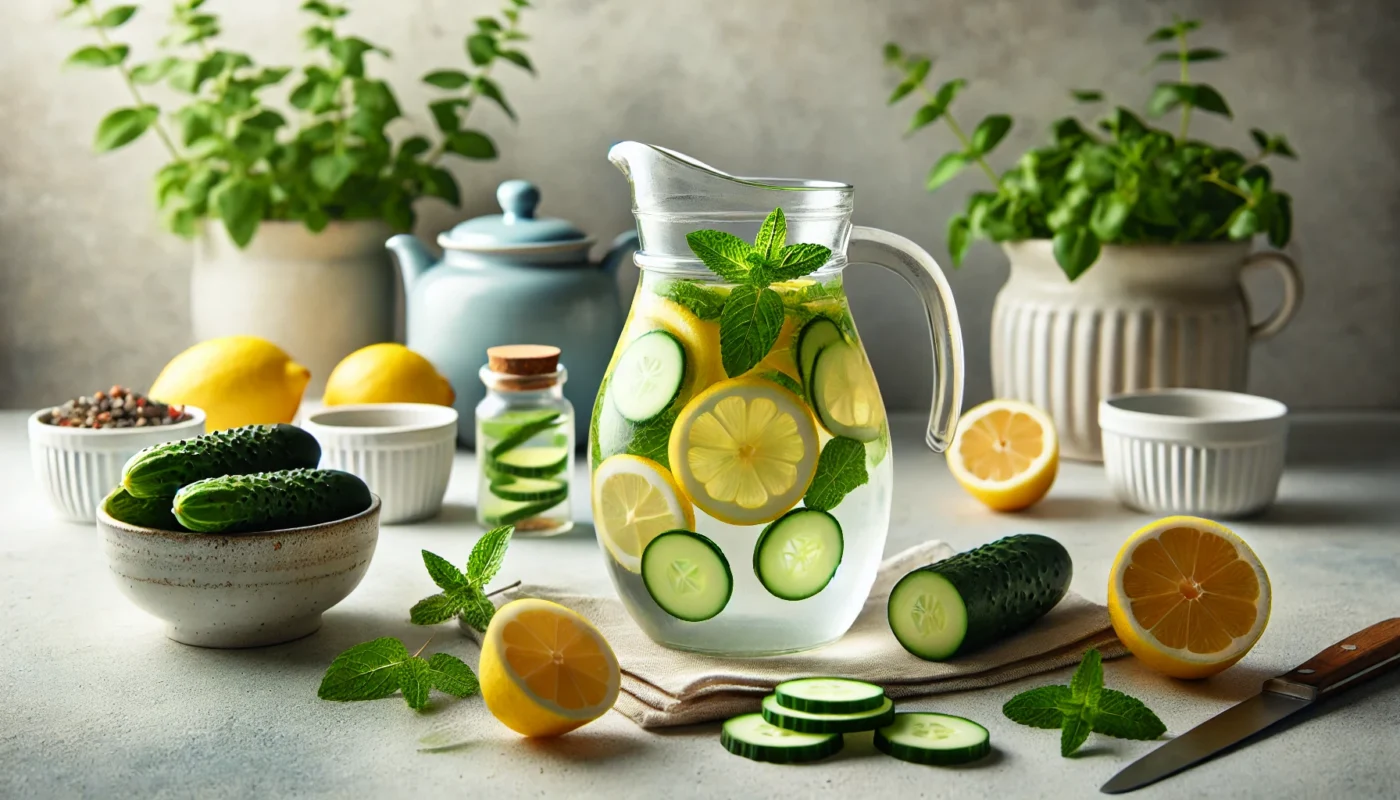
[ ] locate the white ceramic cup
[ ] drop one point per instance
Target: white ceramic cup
(402, 450)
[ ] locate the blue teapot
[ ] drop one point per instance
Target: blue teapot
(513, 278)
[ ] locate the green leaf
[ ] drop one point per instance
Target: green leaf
(443, 573)
(1086, 95)
(317, 36)
(1078, 723)
(1154, 206)
(782, 379)
(490, 90)
(153, 71)
(98, 57)
(893, 53)
(477, 611)
(445, 113)
(915, 72)
(1166, 96)
(471, 144)
(323, 9)
(1244, 223)
(1206, 98)
(724, 253)
(959, 238)
(748, 327)
(1194, 54)
(517, 58)
(1038, 708)
(434, 610)
(927, 114)
(989, 133)
(840, 470)
(438, 182)
(1110, 212)
(266, 119)
(772, 235)
(1087, 683)
(481, 48)
(487, 555)
(450, 675)
(330, 170)
(945, 170)
(123, 126)
(706, 304)
(1281, 223)
(447, 79)
(1161, 35)
(796, 260)
(488, 24)
(114, 17)
(349, 54)
(366, 671)
(240, 204)
(1125, 717)
(1076, 248)
(415, 680)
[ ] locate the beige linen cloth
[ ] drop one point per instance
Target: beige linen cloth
(663, 687)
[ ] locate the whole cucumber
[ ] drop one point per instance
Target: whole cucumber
(143, 512)
(979, 597)
(161, 470)
(269, 501)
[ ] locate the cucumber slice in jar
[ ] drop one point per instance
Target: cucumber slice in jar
(687, 575)
(798, 553)
(498, 511)
(843, 393)
(529, 489)
(808, 722)
(829, 695)
(649, 375)
(940, 739)
(815, 336)
(748, 735)
(530, 462)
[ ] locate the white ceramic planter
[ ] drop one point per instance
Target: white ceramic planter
(1142, 317)
(318, 296)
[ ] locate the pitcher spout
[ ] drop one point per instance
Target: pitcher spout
(413, 257)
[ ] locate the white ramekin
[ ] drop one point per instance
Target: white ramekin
(402, 450)
(77, 467)
(1194, 451)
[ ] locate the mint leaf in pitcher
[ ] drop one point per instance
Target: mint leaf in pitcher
(748, 328)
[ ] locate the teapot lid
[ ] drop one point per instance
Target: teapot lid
(516, 228)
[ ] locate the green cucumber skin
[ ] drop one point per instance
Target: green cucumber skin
(931, 756)
(269, 501)
(161, 470)
(143, 512)
(1005, 585)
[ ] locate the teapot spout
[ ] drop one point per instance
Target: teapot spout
(413, 257)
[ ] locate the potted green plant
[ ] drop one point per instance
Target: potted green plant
(290, 209)
(1126, 241)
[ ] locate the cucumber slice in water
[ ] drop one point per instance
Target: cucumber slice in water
(842, 390)
(508, 423)
(808, 722)
(510, 488)
(648, 376)
(524, 432)
(798, 553)
(497, 511)
(687, 575)
(530, 462)
(748, 735)
(829, 695)
(925, 738)
(815, 336)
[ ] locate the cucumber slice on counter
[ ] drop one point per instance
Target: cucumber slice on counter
(815, 335)
(530, 462)
(648, 376)
(941, 739)
(498, 511)
(687, 575)
(748, 735)
(529, 489)
(808, 722)
(798, 553)
(829, 695)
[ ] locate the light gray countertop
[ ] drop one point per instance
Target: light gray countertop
(98, 703)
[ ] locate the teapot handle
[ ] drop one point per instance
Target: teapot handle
(912, 263)
(623, 246)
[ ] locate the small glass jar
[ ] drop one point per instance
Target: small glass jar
(525, 442)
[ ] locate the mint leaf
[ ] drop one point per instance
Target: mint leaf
(435, 610)
(748, 328)
(1126, 717)
(415, 680)
(704, 303)
(840, 469)
(366, 671)
(724, 253)
(652, 439)
(1087, 683)
(451, 675)
(477, 611)
(797, 260)
(1075, 732)
(772, 235)
(1038, 708)
(487, 555)
(782, 379)
(442, 572)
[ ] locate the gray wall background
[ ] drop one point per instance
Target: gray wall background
(92, 291)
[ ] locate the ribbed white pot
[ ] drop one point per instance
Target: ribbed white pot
(318, 296)
(1142, 317)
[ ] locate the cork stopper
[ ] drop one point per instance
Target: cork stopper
(523, 359)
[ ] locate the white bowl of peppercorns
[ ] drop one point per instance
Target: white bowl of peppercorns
(79, 448)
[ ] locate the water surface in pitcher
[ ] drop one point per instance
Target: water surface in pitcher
(784, 471)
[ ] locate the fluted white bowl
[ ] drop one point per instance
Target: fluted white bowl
(77, 467)
(1194, 451)
(403, 451)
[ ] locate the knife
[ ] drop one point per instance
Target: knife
(1361, 656)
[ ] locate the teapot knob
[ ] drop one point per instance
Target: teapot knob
(517, 199)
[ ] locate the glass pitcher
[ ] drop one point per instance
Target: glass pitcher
(741, 496)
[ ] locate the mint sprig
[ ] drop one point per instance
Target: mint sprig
(840, 470)
(748, 328)
(1084, 706)
(378, 668)
(464, 593)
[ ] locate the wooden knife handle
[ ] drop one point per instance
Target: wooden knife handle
(1341, 665)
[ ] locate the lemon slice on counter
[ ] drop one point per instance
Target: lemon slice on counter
(635, 500)
(1005, 454)
(1188, 597)
(744, 451)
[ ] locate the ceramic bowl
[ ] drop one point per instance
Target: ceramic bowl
(1194, 451)
(240, 590)
(77, 467)
(403, 451)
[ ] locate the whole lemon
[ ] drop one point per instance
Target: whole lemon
(387, 373)
(237, 380)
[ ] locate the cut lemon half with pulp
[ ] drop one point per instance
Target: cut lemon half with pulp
(634, 501)
(545, 670)
(744, 451)
(1005, 454)
(1188, 597)
(699, 338)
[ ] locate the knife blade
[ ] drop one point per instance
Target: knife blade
(1360, 657)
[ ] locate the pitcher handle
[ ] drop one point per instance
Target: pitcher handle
(1292, 292)
(912, 263)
